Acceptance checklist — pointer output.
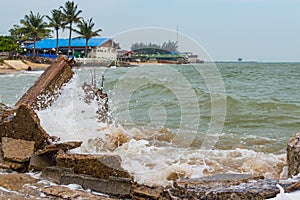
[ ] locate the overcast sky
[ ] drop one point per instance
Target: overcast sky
(257, 30)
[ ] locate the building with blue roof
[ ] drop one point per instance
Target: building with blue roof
(98, 47)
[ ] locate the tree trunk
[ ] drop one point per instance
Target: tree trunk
(86, 46)
(56, 41)
(70, 35)
(34, 41)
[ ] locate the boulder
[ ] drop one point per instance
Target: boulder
(293, 155)
(22, 153)
(102, 166)
(24, 124)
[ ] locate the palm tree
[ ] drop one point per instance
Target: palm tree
(86, 31)
(15, 32)
(34, 28)
(56, 21)
(70, 16)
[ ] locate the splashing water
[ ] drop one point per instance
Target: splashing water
(147, 153)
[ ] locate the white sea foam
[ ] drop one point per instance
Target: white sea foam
(151, 160)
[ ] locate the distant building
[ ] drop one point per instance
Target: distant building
(192, 58)
(98, 48)
(152, 55)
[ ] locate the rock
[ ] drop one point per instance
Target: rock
(22, 153)
(54, 148)
(119, 187)
(102, 166)
(63, 192)
(40, 162)
(25, 125)
(5, 112)
(293, 155)
(222, 186)
(45, 89)
(147, 192)
(55, 173)
(10, 165)
(219, 179)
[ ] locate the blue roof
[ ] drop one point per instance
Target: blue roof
(50, 43)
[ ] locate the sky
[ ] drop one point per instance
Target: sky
(256, 30)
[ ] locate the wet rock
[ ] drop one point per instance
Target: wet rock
(55, 173)
(115, 186)
(17, 150)
(5, 112)
(293, 155)
(102, 166)
(46, 88)
(63, 192)
(147, 192)
(25, 125)
(224, 186)
(40, 162)
(54, 148)
(10, 165)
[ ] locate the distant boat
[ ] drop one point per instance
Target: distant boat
(240, 59)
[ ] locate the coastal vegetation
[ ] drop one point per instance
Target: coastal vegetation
(168, 46)
(86, 31)
(56, 21)
(70, 16)
(7, 44)
(34, 27)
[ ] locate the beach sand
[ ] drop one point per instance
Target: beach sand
(15, 66)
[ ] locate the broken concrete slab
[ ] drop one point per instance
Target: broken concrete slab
(45, 89)
(147, 192)
(115, 186)
(119, 187)
(40, 162)
(17, 150)
(55, 173)
(63, 192)
(102, 166)
(54, 148)
(24, 124)
(226, 186)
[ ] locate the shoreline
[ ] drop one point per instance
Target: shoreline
(15, 66)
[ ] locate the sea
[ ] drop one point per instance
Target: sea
(168, 122)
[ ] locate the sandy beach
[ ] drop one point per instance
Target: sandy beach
(15, 66)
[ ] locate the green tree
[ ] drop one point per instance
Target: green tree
(34, 27)
(56, 22)
(85, 30)
(70, 16)
(15, 32)
(8, 44)
(170, 46)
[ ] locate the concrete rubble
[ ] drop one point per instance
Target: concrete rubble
(36, 150)
(293, 155)
(45, 89)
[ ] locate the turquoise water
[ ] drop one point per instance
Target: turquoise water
(262, 100)
(153, 104)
